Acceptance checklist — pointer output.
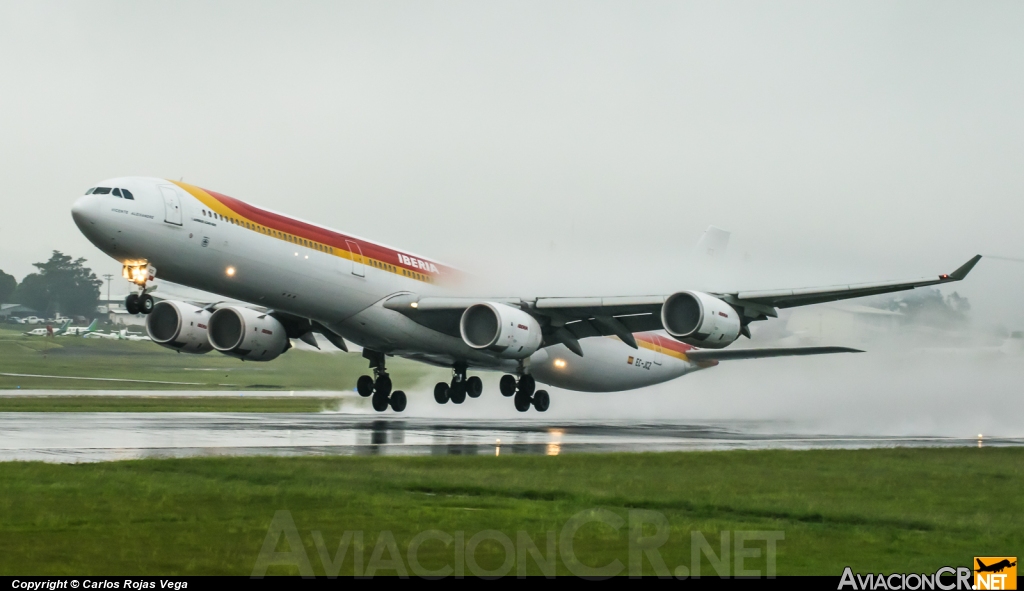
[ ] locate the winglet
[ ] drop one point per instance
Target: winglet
(964, 269)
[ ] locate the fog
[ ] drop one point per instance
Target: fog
(574, 148)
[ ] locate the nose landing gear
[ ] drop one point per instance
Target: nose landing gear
(139, 274)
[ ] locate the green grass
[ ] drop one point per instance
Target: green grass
(247, 403)
(101, 358)
(896, 510)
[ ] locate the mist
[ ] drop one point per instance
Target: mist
(576, 148)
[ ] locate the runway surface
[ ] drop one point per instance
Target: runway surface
(91, 437)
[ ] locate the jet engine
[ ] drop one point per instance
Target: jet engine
(509, 332)
(179, 326)
(247, 334)
(700, 319)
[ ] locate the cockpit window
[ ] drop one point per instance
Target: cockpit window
(127, 194)
(102, 190)
(89, 192)
(117, 192)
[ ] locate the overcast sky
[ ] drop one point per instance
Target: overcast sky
(559, 147)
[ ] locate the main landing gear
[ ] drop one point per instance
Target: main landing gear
(378, 388)
(524, 393)
(461, 386)
(523, 390)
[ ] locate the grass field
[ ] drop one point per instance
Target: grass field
(248, 403)
(898, 510)
(101, 358)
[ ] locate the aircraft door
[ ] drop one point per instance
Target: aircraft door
(358, 267)
(172, 205)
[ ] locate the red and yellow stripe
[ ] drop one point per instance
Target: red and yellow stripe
(328, 241)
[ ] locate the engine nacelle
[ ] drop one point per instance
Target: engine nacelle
(701, 320)
(179, 326)
(247, 334)
(507, 331)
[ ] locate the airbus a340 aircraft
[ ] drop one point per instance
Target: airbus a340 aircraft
(299, 278)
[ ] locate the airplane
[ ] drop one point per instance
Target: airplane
(82, 330)
(124, 335)
(49, 331)
(994, 568)
(121, 335)
(298, 278)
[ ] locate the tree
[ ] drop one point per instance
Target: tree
(61, 285)
(7, 285)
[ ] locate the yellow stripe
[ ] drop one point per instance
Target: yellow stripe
(643, 344)
(215, 205)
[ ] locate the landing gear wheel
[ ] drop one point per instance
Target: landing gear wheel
(507, 385)
(474, 387)
(541, 400)
(441, 392)
(526, 385)
(364, 385)
(457, 392)
(382, 386)
(131, 303)
(522, 402)
(397, 401)
(146, 304)
(379, 402)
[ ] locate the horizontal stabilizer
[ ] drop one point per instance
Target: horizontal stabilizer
(728, 355)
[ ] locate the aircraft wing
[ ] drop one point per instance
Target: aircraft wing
(732, 354)
(566, 320)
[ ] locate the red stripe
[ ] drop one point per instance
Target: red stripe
(337, 240)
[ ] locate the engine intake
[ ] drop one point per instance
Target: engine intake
(247, 334)
(508, 331)
(179, 326)
(700, 319)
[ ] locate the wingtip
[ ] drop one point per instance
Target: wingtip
(964, 269)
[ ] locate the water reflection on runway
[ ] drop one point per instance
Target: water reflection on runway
(88, 437)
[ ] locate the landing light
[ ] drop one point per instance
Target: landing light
(559, 363)
(230, 271)
(415, 305)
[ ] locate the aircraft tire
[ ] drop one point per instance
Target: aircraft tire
(474, 387)
(457, 392)
(146, 304)
(364, 385)
(131, 303)
(397, 401)
(507, 385)
(527, 385)
(379, 402)
(522, 402)
(541, 400)
(441, 392)
(382, 386)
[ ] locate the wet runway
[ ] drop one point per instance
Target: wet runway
(90, 437)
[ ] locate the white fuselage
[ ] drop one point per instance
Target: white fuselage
(231, 248)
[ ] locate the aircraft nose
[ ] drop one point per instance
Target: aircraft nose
(84, 210)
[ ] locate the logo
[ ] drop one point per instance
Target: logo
(630, 360)
(206, 241)
(995, 572)
(417, 263)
